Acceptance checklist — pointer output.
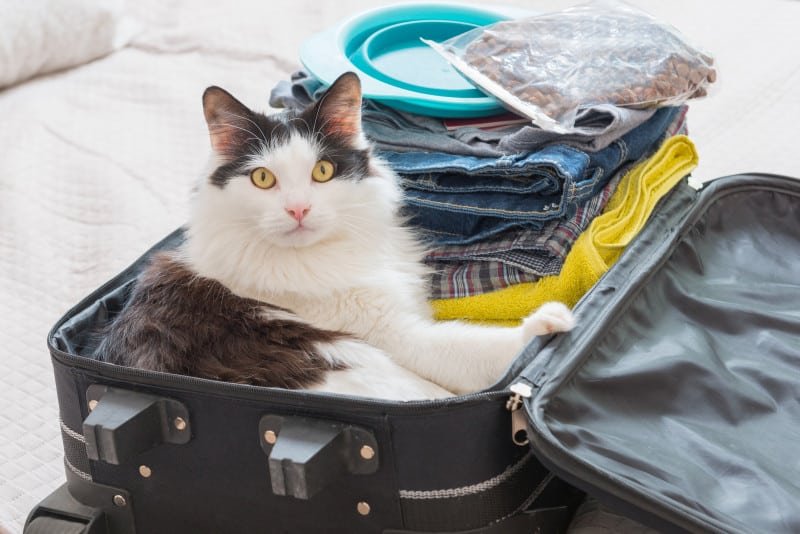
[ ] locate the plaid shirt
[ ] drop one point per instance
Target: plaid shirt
(518, 256)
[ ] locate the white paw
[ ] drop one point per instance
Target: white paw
(551, 317)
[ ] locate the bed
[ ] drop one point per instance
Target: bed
(98, 160)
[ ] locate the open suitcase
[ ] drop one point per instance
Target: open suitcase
(676, 401)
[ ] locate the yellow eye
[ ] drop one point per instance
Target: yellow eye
(263, 178)
(323, 171)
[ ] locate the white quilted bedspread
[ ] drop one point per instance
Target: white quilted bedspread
(96, 163)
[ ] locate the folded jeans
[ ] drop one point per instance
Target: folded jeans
(459, 200)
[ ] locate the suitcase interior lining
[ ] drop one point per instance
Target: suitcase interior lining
(691, 396)
(81, 329)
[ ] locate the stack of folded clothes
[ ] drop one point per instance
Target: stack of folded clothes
(514, 215)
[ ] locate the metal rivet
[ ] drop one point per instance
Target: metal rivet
(92, 404)
(367, 452)
(270, 437)
(363, 508)
(180, 423)
(145, 471)
(119, 500)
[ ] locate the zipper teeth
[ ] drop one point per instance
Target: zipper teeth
(294, 398)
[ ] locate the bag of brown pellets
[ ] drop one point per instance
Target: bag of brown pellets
(549, 66)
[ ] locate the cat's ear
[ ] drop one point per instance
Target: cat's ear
(338, 111)
(227, 120)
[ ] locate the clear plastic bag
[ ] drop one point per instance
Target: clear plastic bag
(549, 66)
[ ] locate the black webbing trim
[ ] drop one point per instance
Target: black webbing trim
(75, 458)
(474, 506)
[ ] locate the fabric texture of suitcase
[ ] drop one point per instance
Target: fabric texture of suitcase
(673, 401)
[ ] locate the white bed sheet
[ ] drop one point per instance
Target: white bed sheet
(96, 163)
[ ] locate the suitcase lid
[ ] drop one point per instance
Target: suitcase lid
(676, 398)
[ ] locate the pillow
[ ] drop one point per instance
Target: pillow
(40, 36)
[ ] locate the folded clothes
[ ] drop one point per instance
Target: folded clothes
(596, 249)
(453, 280)
(457, 200)
(396, 131)
(517, 257)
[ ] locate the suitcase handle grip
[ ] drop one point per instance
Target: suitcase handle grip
(306, 455)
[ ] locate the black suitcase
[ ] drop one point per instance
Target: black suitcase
(675, 401)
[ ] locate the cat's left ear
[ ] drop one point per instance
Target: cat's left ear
(228, 120)
(338, 111)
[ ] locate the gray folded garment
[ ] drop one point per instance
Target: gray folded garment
(397, 131)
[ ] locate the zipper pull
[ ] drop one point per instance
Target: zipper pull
(519, 426)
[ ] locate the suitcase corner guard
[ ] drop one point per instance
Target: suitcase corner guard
(305, 455)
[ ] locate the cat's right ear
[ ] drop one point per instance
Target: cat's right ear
(227, 120)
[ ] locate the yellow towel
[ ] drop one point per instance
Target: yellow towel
(595, 250)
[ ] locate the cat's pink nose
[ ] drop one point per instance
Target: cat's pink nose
(298, 211)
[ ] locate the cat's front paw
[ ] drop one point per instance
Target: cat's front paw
(549, 318)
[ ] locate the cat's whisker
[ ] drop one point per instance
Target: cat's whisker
(357, 218)
(356, 205)
(318, 108)
(229, 114)
(361, 231)
(239, 119)
(253, 135)
(364, 235)
(236, 224)
(305, 123)
(323, 130)
(254, 123)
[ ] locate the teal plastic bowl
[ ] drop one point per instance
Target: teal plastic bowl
(396, 55)
(382, 46)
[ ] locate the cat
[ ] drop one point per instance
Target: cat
(297, 271)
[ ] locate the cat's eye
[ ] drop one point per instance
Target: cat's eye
(263, 178)
(323, 171)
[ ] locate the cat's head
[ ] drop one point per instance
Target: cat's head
(293, 179)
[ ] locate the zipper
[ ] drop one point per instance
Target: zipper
(519, 424)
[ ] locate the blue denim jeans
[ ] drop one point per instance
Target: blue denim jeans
(464, 199)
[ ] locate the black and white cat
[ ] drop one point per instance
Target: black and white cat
(297, 271)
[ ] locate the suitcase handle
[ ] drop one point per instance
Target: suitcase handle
(305, 455)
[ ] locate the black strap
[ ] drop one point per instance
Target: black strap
(474, 507)
(548, 520)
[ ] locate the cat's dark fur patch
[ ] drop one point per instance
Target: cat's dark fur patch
(178, 322)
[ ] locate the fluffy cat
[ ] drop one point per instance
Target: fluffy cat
(297, 272)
